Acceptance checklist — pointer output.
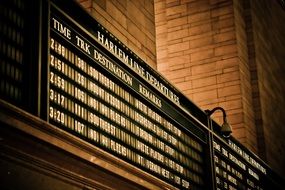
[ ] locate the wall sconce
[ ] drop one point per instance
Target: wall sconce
(226, 128)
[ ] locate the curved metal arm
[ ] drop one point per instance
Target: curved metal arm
(210, 112)
(226, 128)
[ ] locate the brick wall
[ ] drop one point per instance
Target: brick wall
(241, 28)
(229, 53)
(269, 45)
(131, 21)
(202, 49)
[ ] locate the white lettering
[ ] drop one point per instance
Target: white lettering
(115, 50)
(83, 45)
(253, 174)
(61, 29)
(150, 95)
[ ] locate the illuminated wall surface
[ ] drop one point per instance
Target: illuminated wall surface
(76, 103)
(229, 53)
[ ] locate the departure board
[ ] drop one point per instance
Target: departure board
(12, 27)
(60, 65)
(238, 169)
(120, 108)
